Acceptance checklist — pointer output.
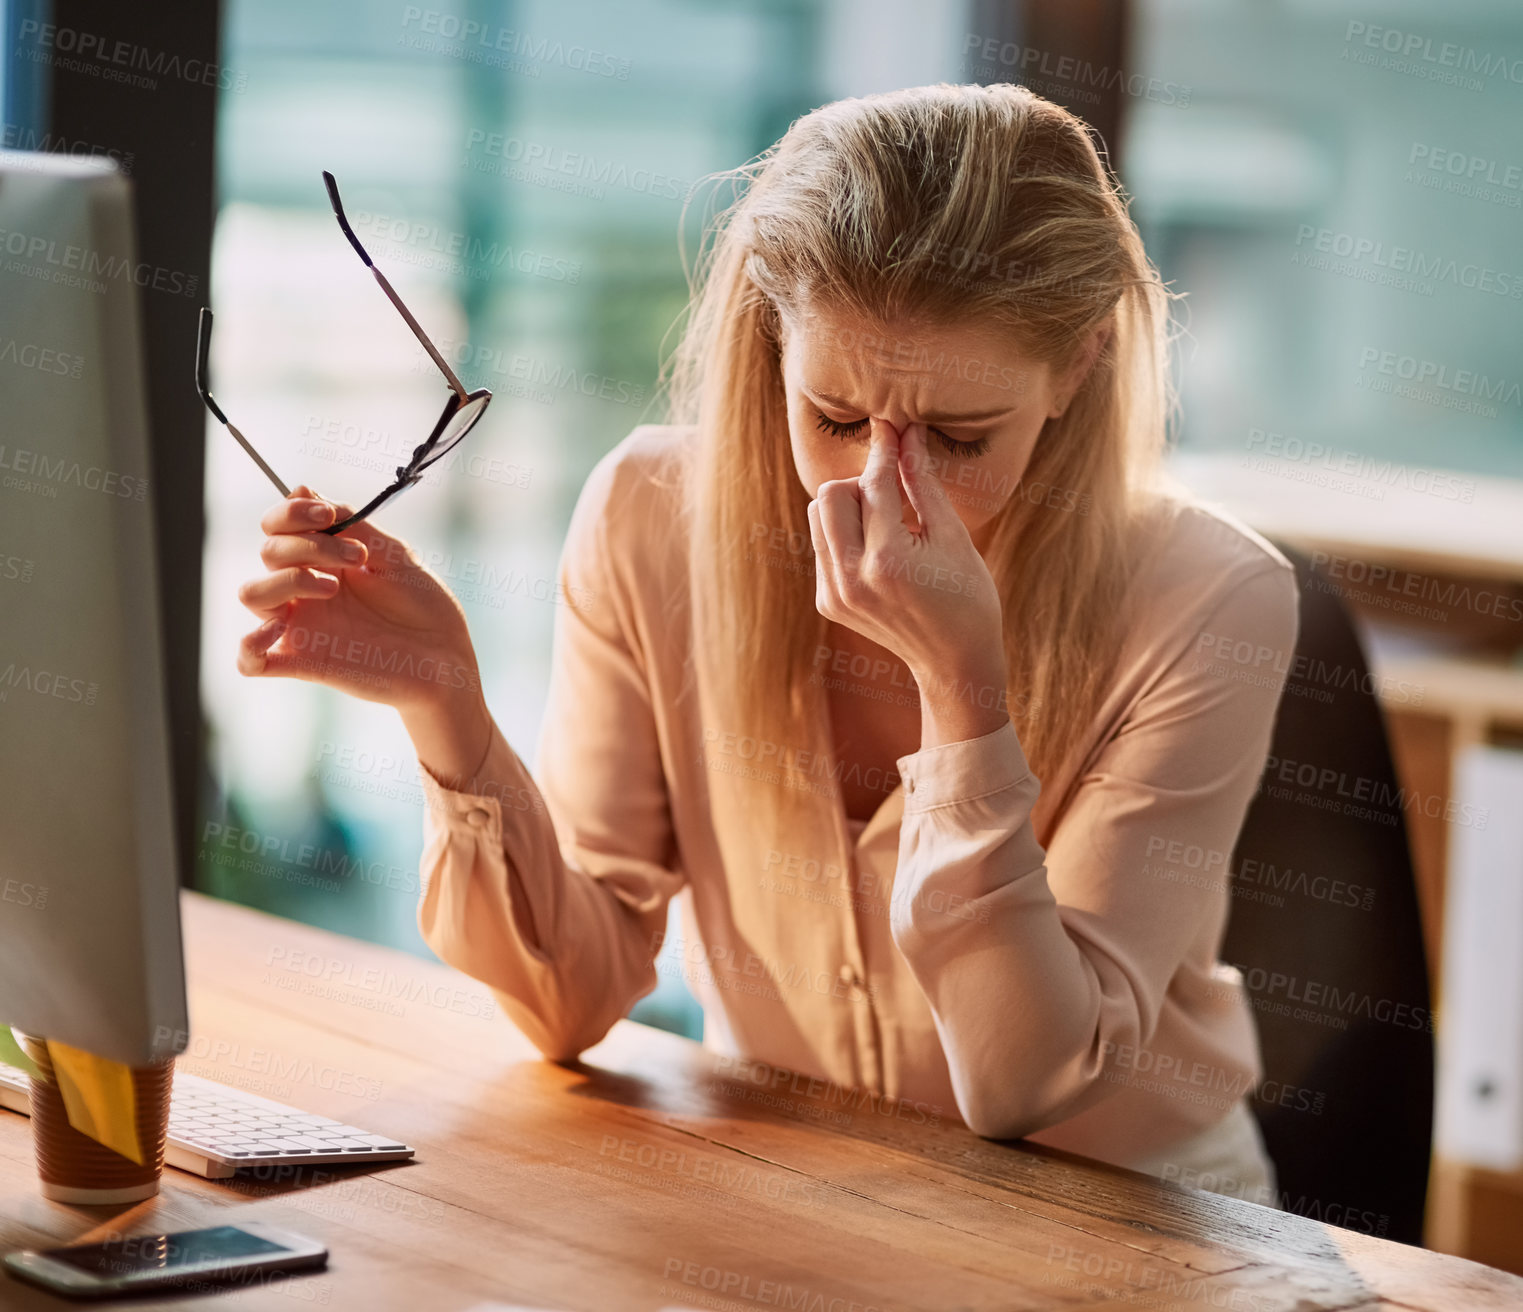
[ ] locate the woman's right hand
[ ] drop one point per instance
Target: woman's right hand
(356, 611)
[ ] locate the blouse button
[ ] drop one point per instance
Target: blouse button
(849, 977)
(477, 818)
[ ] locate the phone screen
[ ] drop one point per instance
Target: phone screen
(140, 1253)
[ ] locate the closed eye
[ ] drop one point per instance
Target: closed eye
(846, 432)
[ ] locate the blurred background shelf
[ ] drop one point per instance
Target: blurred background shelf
(1436, 586)
(1473, 529)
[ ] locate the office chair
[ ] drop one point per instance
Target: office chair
(1346, 1113)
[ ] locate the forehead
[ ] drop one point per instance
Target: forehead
(934, 366)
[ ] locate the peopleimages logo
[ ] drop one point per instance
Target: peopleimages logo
(40, 256)
(1403, 260)
(1070, 71)
(536, 159)
(1457, 164)
(431, 246)
(117, 60)
(46, 683)
(44, 359)
(1417, 54)
(1430, 373)
(16, 136)
(1443, 594)
(1334, 1000)
(1369, 475)
(35, 471)
(1365, 798)
(469, 36)
(541, 378)
(1471, 177)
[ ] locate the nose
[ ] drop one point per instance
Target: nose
(860, 451)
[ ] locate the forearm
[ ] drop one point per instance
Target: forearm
(563, 953)
(1016, 1003)
(503, 901)
(975, 919)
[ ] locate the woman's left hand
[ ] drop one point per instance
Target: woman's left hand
(925, 594)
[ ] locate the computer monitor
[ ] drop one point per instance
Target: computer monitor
(90, 948)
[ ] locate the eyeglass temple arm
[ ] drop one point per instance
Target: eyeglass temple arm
(343, 222)
(203, 349)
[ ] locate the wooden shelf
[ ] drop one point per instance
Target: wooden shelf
(1321, 509)
(1471, 690)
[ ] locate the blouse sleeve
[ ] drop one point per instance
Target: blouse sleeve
(1057, 959)
(555, 894)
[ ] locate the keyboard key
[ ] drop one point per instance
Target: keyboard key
(379, 1141)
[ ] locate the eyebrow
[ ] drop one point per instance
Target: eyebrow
(971, 417)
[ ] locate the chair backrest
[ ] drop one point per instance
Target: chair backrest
(1326, 930)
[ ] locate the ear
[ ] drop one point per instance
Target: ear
(1073, 380)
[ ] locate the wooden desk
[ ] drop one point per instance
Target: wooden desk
(656, 1174)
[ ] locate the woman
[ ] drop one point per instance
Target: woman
(903, 554)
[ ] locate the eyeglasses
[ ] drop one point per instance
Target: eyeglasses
(459, 416)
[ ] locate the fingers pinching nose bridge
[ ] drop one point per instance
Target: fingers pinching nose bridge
(912, 444)
(884, 441)
(922, 490)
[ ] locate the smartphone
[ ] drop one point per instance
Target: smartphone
(224, 1253)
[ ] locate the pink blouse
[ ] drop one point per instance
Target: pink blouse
(1036, 959)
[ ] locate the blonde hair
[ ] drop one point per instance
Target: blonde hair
(937, 204)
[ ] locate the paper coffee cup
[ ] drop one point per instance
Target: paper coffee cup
(73, 1167)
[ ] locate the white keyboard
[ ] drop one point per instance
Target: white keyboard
(215, 1130)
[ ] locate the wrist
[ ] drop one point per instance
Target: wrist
(961, 701)
(452, 733)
